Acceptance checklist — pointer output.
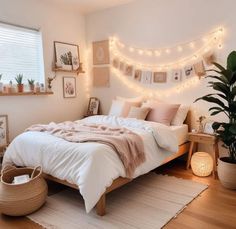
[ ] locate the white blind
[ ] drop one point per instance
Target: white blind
(20, 53)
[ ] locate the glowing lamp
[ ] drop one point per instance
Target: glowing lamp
(202, 164)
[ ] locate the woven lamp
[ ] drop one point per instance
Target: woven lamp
(202, 164)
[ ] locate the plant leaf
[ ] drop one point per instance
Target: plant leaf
(231, 61)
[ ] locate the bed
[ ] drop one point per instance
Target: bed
(94, 168)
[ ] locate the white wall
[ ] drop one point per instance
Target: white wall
(57, 23)
(158, 23)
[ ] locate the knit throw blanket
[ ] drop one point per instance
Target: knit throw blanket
(127, 144)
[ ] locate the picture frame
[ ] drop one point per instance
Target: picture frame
(189, 71)
(101, 52)
(128, 70)
(69, 87)
(93, 106)
(116, 63)
(101, 76)
(199, 69)
(146, 77)
(66, 56)
(159, 77)
(4, 132)
(176, 75)
(138, 75)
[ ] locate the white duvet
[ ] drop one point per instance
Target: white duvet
(92, 166)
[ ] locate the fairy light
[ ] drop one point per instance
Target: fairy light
(192, 45)
(131, 49)
(157, 53)
(180, 48)
(167, 51)
(140, 52)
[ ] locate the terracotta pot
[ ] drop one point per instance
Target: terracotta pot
(227, 173)
(20, 87)
(31, 87)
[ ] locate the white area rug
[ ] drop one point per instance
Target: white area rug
(150, 201)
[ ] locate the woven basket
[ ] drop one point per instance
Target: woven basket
(22, 199)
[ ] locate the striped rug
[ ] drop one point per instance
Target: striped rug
(150, 201)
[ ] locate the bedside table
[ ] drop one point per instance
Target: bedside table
(212, 140)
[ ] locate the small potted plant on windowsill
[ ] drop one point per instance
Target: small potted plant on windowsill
(224, 83)
(31, 84)
(20, 85)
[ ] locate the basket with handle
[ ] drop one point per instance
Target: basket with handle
(22, 199)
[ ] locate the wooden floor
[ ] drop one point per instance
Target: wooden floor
(215, 208)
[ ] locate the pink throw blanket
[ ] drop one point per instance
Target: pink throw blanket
(127, 144)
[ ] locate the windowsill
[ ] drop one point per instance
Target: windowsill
(26, 93)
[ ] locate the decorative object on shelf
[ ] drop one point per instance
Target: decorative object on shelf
(49, 80)
(101, 53)
(93, 106)
(66, 56)
(37, 87)
(10, 88)
(22, 199)
(200, 124)
(4, 134)
(224, 99)
(1, 84)
(69, 87)
(202, 164)
(101, 76)
(42, 87)
(19, 80)
(31, 84)
(208, 128)
(159, 77)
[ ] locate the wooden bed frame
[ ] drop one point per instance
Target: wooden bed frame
(101, 204)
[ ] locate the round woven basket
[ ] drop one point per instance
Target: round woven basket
(22, 199)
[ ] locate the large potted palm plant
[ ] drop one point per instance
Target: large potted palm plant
(224, 100)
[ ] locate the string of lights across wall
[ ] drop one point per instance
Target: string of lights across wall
(210, 41)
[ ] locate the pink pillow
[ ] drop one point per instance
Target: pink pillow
(127, 107)
(163, 113)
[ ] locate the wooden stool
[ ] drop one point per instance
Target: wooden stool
(196, 138)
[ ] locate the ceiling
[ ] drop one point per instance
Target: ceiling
(89, 6)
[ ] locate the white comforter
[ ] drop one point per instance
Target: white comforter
(92, 166)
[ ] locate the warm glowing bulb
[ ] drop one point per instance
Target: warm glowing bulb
(149, 53)
(167, 51)
(192, 45)
(157, 53)
(131, 49)
(121, 45)
(180, 49)
(204, 39)
(140, 52)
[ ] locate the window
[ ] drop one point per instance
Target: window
(21, 53)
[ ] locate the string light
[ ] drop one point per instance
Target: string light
(192, 45)
(179, 48)
(131, 49)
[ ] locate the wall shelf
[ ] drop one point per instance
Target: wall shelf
(26, 93)
(69, 71)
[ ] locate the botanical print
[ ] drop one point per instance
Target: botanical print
(146, 77)
(159, 77)
(3, 131)
(176, 75)
(188, 71)
(128, 70)
(138, 74)
(93, 106)
(67, 55)
(101, 53)
(69, 87)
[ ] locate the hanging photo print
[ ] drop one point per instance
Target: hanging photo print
(159, 77)
(115, 63)
(176, 75)
(199, 69)
(128, 70)
(147, 77)
(138, 75)
(188, 71)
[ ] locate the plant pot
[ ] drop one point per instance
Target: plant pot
(20, 87)
(227, 173)
(31, 88)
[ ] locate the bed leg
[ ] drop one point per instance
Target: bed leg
(101, 206)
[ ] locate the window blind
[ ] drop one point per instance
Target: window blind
(20, 53)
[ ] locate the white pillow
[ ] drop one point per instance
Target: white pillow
(136, 99)
(180, 116)
(117, 107)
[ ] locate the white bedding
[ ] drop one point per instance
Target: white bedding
(92, 166)
(181, 133)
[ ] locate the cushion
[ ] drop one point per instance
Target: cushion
(136, 99)
(163, 113)
(138, 112)
(180, 115)
(121, 108)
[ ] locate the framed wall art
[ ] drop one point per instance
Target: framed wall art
(101, 53)
(69, 87)
(66, 56)
(101, 76)
(159, 77)
(93, 106)
(176, 75)
(4, 132)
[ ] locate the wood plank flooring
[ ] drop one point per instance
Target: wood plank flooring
(215, 208)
